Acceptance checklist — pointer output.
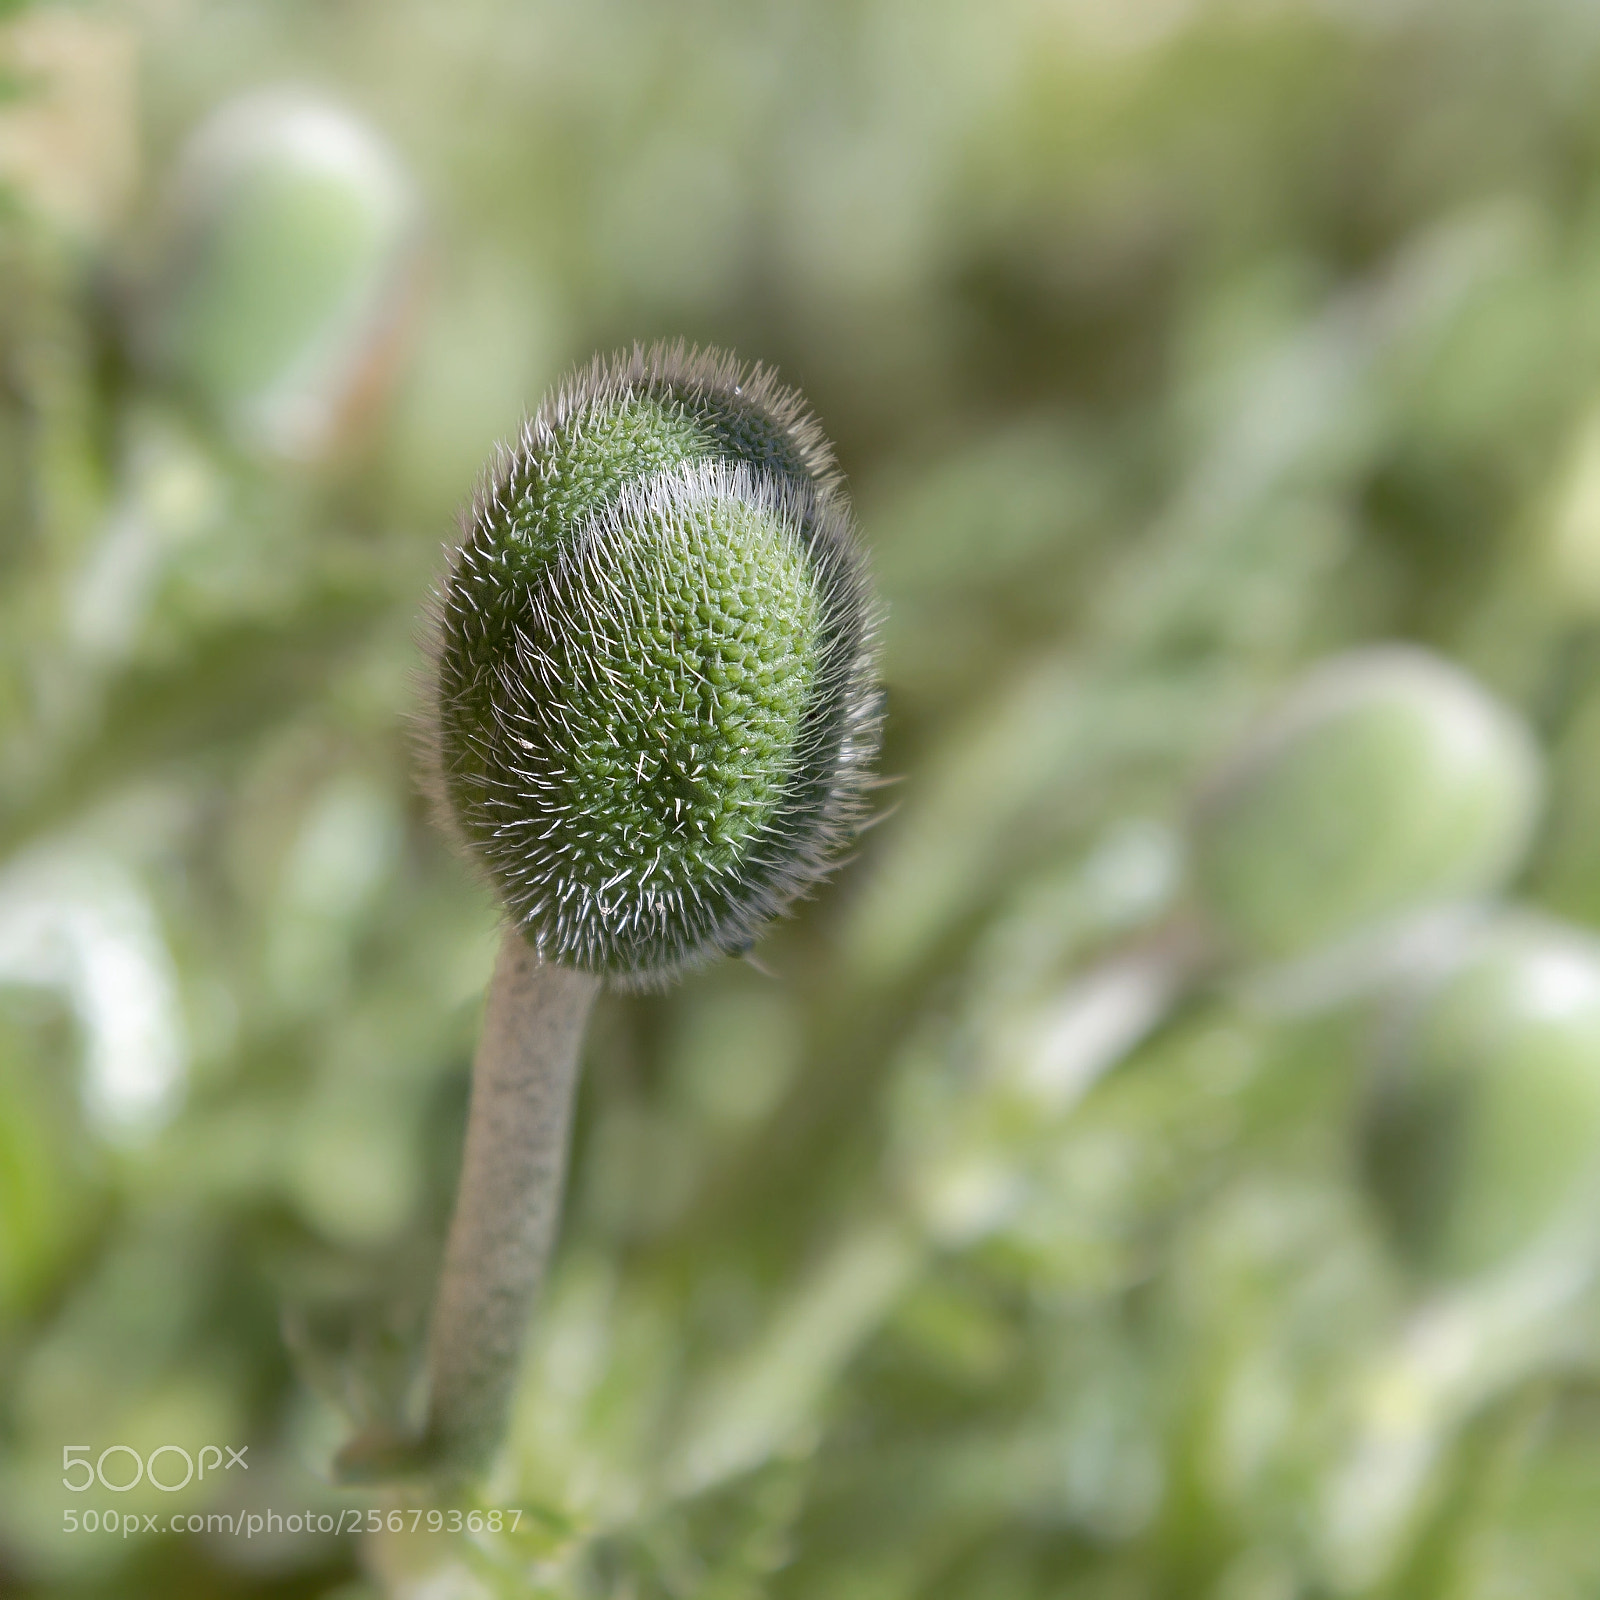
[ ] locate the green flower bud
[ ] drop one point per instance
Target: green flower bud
(1386, 784)
(655, 699)
(1484, 1129)
(285, 271)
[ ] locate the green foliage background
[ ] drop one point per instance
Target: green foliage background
(1168, 346)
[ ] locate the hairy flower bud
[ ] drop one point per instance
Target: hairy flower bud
(655, 699)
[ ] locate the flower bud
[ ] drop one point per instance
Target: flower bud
(1483, 1134)
(655, 700)
(1385, 785)
(285, 269)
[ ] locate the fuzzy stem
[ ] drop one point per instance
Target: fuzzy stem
(509, 1200)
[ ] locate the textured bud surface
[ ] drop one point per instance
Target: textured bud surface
(1485, 1129)
(1388, 783)
(655, 700)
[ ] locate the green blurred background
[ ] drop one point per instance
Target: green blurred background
(1169, 347)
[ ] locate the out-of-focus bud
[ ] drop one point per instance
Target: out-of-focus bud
(285, 272)
(1386, 785)
(1571, 547)
(1483, 1135)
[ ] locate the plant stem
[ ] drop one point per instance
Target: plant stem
(1100, 1016)
(508, 1203)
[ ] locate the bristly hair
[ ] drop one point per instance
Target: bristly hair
(678, 371)
(530, 577)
